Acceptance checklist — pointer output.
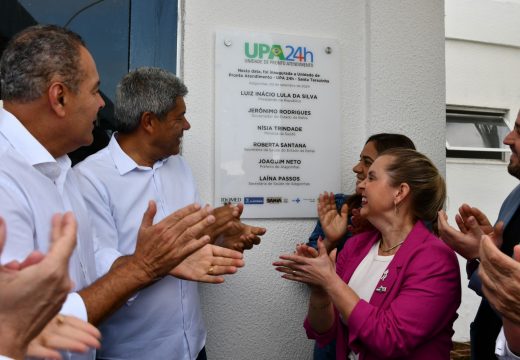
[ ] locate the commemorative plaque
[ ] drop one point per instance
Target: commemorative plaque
(277, 122)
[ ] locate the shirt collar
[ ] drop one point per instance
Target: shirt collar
(22, 140)
(125, 163)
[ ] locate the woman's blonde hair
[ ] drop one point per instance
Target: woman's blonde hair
(427, 187)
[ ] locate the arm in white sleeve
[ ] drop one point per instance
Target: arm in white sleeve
(16, 211)
(106, 237)
(104, 227)
(502, 349)
(74, 306)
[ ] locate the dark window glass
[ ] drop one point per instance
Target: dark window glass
(120, 34)
(475, 133)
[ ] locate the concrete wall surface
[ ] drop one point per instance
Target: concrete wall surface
(392, 78)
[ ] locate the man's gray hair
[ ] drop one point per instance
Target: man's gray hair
(143, 90)
(36, 56)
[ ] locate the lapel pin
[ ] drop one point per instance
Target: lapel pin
(381, 289)
(385, 274)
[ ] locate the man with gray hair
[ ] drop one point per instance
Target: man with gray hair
(50, 92)
(142, 162)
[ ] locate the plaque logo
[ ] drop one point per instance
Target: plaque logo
(273, 200)
(285, 53)
(253, 200)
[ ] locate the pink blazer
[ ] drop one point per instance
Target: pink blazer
(411, 313)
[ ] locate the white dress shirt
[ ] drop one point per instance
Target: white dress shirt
(33, 187)
(164, 321)
(502, 349)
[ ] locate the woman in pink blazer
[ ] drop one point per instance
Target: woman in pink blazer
(395, 290)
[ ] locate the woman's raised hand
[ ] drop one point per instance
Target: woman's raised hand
(333, 223)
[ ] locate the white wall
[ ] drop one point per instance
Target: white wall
(482, 61)
(393, 80)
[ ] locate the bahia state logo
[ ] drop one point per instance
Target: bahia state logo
(277, 52)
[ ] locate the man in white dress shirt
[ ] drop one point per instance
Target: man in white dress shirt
(142, 162)
(50, 93)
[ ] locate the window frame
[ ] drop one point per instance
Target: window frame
(469, 152)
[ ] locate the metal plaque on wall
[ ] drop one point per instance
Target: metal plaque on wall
(277, 122)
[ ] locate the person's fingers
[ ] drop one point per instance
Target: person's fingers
(255, 230)
(13, 265)
(289, 267)
(319, 206)
(332, 255)
(255, 240)
(66, 333)
(211, 279)
(292, 258)
(37, 350)
(284, 269)
(56, 226)
(322, 249)
(250, 237)
(32, 259)
(331, 202)
(465, 210)
(72, 334)
(494, 262)
(299, 250)
(149, 214)
(442, 223)
(228, 253)
(240, 208)
(283, 262)
(473, 227)
(63, 238)
(344, 209)
(516, 252)
(443, 216)
(460, 224)
(83, 325)
(247, 243)
(190, 225)
(190, 246)
(68, 342)
(223, 270)
(310, 251)
(498, 232)
(236, 212)
(223, 216)
(186, 216)
(239, 246)
(224, 261)
(222, 228)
